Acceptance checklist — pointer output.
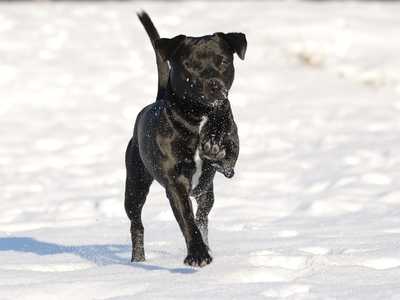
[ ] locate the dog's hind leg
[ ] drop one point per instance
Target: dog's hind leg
(205, 202)
(138, 181)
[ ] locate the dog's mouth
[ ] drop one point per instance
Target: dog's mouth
(218, 102)
(210, 95)
(216, 97)
(210, 102)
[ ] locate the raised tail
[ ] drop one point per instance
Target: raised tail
(162, 65)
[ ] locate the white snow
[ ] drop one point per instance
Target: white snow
(313, 211)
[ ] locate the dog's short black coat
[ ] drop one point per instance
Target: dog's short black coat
(187, 135)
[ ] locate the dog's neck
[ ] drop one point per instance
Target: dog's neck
(184, 106)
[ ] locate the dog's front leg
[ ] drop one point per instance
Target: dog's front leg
(205, 202)
(219, 141)
(178, 195)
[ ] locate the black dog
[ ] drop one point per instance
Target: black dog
(187, 135)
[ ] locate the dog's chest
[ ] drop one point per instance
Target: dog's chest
(197, 160)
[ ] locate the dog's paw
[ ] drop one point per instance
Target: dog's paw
(198, 259)
(138, 256)
(138, 259)
(213, 150)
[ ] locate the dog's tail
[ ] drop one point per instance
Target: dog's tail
(162, 65)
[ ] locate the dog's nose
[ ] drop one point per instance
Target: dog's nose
(216, 89)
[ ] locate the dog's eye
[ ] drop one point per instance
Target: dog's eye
(224, 62)
(187, 65)
(218, 61)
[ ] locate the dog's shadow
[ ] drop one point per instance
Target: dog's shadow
(101, 255)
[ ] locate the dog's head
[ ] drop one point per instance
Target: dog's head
(202, 67)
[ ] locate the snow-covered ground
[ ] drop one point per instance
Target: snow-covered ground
(314, 209)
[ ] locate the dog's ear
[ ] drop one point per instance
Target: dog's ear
(237, 41)
(168, 47)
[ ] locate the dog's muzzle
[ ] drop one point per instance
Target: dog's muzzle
(216, 90)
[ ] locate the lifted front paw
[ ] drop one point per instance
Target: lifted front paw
(198, 259)
(213, 150)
